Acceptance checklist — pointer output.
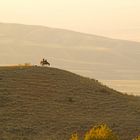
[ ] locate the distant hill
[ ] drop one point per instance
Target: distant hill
(50, 104)
(85, 54)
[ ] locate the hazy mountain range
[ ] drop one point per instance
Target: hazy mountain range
(85, 54)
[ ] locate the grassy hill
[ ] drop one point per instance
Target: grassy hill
(86, 54)
(50, 104)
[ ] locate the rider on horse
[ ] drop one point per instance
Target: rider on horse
(44, 62)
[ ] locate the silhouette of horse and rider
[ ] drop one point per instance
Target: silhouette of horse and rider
(44, 62)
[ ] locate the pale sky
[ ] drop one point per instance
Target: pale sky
(112, 18)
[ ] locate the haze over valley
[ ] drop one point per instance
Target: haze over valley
(85, 54)
(89, 55)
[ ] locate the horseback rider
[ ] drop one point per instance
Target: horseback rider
(44, 62)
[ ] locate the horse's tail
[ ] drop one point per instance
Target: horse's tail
(49, 64)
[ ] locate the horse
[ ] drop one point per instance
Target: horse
(44, 62)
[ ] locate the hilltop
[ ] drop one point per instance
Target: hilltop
(85, 54)
(39, 103)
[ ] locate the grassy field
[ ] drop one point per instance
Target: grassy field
(39, 103)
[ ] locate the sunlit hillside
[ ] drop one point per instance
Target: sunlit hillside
(39, 103)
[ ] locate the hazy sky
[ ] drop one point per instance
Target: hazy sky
(114, 18)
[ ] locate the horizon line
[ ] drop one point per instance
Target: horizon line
(69, 30)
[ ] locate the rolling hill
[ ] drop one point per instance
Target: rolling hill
(39, 103)
(85, 54)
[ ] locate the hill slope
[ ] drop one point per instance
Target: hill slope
(49, 104)
(90, 55)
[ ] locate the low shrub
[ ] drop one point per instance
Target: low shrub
(74, 137)
(138, 138)
(100, 132)
(25, 65)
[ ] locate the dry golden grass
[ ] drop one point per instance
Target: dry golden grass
(50, 104)
(74, 137)
(100, 132)
(138, 138)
